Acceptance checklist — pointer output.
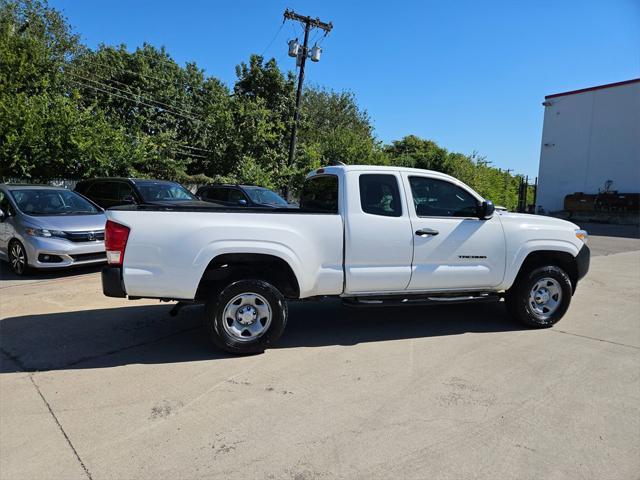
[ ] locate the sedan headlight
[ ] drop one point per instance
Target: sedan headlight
(43, 232)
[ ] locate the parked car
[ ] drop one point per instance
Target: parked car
(370, 235)
(242, 195)
(111, 192)
(49, 227)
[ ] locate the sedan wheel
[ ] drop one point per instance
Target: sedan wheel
(17, 258)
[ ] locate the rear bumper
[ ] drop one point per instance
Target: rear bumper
(112, 282)
(582, 261)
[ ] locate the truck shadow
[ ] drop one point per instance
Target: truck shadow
(327, 322)
(105, 338)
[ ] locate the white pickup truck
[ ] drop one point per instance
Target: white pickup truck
(371, 235)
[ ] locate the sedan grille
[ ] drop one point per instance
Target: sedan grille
(90, 236)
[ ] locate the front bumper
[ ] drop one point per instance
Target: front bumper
(112, 285)
(582, 261)
(47, 252)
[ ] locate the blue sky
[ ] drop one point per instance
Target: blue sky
(470, 75)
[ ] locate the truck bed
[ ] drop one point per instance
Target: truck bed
(169, 248)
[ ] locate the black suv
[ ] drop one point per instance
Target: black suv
(114, 191)
(242, 195)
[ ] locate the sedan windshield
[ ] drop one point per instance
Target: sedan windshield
(265, 196)
(52, 202)
(158, 192)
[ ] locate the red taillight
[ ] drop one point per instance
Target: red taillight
(115, 242)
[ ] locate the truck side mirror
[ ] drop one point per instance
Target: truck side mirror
(485, 210)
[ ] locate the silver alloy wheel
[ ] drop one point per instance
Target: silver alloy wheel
(247, 316)
(545, 297)
(18, 258)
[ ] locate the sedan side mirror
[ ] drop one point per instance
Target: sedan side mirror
(485, 210)
(242, 203)
(129, 200)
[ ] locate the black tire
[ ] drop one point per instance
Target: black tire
(17, 256)
(524, 306)
(223, 337)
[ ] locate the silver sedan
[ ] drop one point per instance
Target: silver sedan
(49, 227)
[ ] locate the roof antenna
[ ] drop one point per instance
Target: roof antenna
(338, 162)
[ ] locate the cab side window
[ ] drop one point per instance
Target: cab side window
(379, 195)
(439, 198)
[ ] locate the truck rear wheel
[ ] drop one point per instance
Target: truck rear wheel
(247, 317)
(541, 297)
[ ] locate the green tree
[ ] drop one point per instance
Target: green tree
(35, 44)
(474, 170)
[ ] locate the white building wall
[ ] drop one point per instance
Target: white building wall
(587, 139)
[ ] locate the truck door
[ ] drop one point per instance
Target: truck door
(378, 235)
(453, 248)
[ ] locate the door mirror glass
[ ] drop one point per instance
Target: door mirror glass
(486, 209)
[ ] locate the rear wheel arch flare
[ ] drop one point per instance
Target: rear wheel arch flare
(240, 266)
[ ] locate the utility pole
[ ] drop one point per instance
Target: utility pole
(301, 52)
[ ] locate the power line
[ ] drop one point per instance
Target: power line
(129, 91)
(136, 100)
(183, 145)
(124, 70)
(197, 148)
(189, 154)
(273, 39)
(158, 104)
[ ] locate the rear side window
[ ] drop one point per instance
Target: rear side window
(236, 195)
(107, 190)
(379, 195)
(320, 194)
(220, 194)
(124, 191)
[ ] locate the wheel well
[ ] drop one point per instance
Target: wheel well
(564, 260)
(229, 267)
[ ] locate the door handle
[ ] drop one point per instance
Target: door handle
(423, 232)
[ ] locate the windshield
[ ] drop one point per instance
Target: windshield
(158, 192)
(52, 202)
(265, 196)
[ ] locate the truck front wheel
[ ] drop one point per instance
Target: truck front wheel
(540, 297)
(247, 317)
